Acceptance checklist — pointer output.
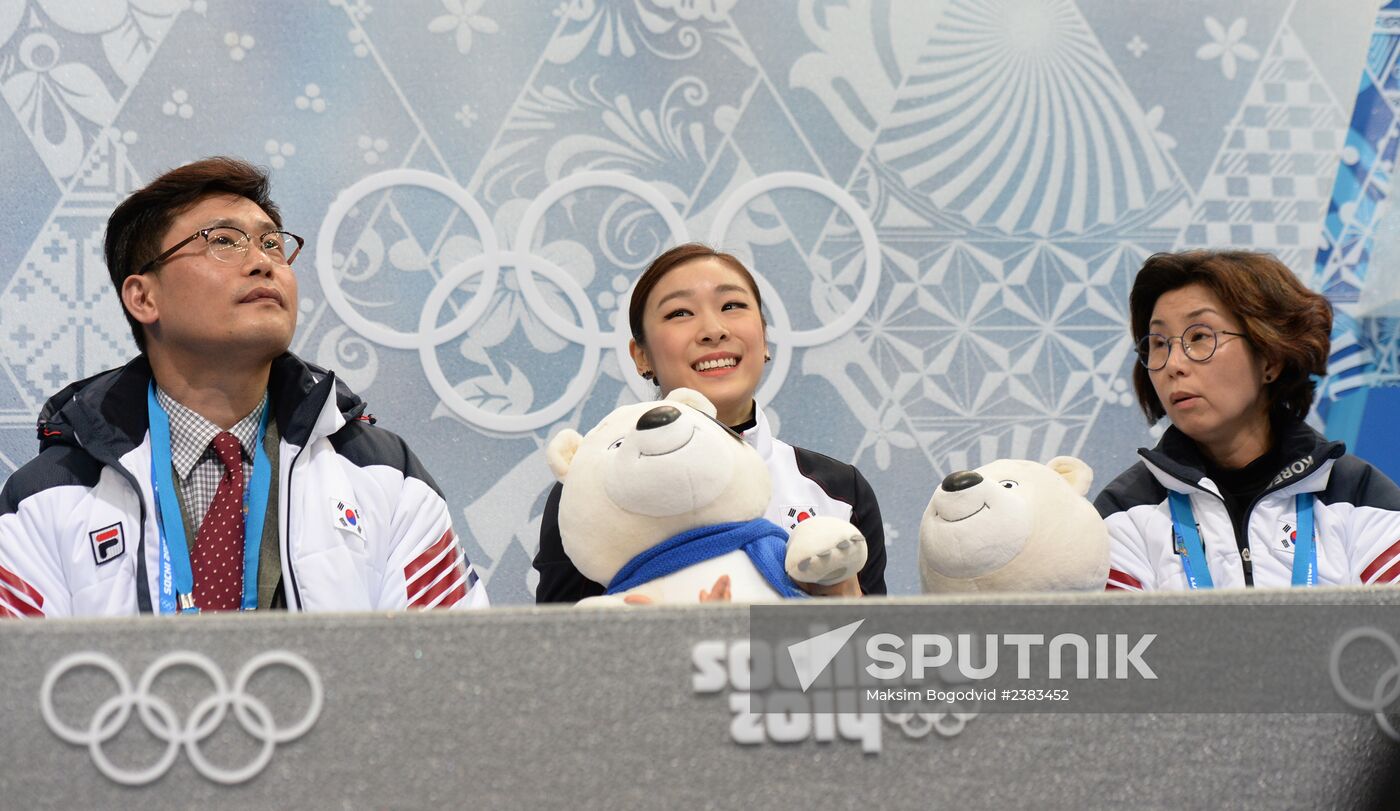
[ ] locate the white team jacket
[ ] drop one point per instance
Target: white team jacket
(78, 533)
(1356, 518)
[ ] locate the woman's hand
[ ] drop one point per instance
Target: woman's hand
(850, 587)
(718, 593)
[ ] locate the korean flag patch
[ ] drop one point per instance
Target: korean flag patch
(1287, 535)
(797, 515)
(349, 518)
(108, 543)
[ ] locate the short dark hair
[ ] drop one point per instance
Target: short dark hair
(1283, 320)
(669, 261)
(139, 223)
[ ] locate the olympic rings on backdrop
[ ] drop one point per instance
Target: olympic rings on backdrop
(585, 331)
(529, 264)
(374, 331)
(160, 720)
(870, 243)
(557, 191)
(1387, 687)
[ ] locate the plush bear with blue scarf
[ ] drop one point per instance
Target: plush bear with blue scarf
(1014, 526)
(660, 500)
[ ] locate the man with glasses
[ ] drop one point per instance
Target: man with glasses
(217, 471)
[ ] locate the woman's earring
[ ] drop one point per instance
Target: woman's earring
(648, 375)
(767, 357)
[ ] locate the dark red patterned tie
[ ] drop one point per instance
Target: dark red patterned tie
(217, 562)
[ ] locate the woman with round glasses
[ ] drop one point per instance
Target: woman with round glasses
(697, 322)
(1240, 491)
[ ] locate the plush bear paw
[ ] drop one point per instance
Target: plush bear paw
(825, 551)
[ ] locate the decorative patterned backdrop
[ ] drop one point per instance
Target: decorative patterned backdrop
(945, 200)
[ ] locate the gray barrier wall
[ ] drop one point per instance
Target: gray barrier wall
(564, 708)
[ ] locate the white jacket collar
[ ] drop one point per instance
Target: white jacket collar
(760, 436)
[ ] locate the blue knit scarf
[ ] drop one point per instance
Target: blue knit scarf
(763, 541)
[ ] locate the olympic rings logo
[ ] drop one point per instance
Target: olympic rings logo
(1387, 687)
(919, 724)
(586, 331)
(160, 719)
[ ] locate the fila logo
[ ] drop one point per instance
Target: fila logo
(108, 543)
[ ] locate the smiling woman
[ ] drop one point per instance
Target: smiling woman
(697, 322)
(1240, 491)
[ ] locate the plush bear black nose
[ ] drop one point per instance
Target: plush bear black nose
(657, 417)
(961, 480)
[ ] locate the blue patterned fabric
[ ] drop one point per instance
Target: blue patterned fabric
(763, 541)
(1356, 263)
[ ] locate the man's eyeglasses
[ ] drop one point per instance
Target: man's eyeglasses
(229, 244)
(1198, 341)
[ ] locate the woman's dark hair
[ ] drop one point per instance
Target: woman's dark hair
(137, 226)
(669, 261)
(1285, 322)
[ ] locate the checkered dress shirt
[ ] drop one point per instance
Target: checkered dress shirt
(197, 468)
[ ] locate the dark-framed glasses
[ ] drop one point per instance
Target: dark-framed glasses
(1198, 342)
(227, 243)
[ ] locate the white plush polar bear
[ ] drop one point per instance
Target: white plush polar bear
(660, 499)
(1014, 525)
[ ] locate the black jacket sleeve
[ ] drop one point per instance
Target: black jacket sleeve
(843, 482)
(865, 514)
(559, 582)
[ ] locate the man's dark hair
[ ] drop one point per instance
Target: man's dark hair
(137, 226)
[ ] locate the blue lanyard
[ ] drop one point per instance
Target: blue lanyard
(176, 577)
(1305, 549)
(1187, 543)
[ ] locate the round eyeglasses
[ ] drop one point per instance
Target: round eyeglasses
(1198, 341)
(227, 243)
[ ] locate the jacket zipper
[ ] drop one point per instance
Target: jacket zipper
(1246, 561)
(143, 585)
(290, 575)
(143, 590)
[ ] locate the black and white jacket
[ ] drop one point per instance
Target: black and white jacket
(1356, 515)
(805, 483)
(78, 532)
